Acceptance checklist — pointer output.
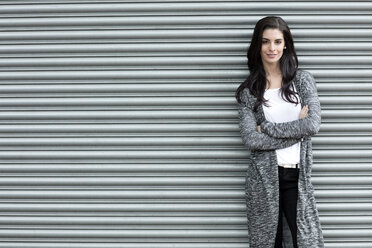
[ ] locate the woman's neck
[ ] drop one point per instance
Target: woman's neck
(273, 76)
(272, 70)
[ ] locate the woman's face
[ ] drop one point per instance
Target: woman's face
(272, 46)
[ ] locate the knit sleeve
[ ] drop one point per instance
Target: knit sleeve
(308, 126)
(255, 140)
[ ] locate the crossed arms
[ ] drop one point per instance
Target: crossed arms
(281, 135)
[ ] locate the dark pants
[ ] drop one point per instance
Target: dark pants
(288, 188)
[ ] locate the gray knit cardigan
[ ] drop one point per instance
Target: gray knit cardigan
(262, 184)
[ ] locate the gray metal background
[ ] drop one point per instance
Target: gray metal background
(119, 127)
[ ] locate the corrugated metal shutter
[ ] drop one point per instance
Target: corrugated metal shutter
(119, 127)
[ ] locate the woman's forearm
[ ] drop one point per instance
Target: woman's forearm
(300, 128)
(255, 140)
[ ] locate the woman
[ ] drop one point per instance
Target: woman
(279, 111)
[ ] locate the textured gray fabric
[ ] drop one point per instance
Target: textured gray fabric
(262, 184)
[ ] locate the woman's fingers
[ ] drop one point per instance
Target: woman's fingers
(304, 111)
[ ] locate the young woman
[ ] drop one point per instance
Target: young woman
(279, 111)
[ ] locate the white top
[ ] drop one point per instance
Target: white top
(283, 111)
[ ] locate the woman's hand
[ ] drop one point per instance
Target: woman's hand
(304, 112)
(259, 129)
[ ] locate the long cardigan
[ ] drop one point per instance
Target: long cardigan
(261, 181)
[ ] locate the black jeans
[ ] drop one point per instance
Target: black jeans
(288, 188)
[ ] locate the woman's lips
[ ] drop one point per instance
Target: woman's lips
(271, 55)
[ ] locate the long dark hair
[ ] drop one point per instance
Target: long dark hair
(256, 81)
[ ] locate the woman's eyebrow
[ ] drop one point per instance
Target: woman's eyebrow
(269, 39)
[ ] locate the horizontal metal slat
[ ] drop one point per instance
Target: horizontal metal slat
(107, 207)
(127, 181)
(179, 166)
(139, 244)
(146, 21)
(193, 7)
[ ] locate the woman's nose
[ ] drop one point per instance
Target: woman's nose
(272, 47)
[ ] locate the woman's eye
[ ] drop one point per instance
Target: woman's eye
(278, 42)
(264, 42)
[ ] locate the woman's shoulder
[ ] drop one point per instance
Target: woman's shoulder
(303, 75)
(305, 80)
(246, 96)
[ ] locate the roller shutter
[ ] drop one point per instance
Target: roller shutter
(118, 123)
